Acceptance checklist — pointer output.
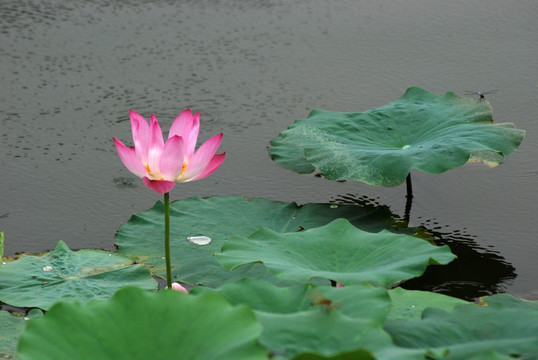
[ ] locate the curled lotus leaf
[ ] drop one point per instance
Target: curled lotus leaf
(429, 132)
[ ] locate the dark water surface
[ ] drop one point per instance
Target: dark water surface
(71, 70)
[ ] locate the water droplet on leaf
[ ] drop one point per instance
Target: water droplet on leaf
(47, 268)
(199, 240)
(334, 206)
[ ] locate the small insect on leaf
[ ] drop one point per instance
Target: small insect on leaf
(317, 298)
(480, 94)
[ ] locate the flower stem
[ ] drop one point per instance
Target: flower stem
(167, 239)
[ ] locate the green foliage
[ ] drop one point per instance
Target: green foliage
(40, 281)
(360, 354)
(509, 328)
(409, 304)
(220, 217)
(320, 319)
(11, 327)
(421, 130)
(267, 262)
(253, 319)
(135, 324)
(337, 251)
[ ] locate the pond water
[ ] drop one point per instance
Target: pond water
(71, 70)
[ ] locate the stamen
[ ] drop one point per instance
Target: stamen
(148, 169)
(183, 168)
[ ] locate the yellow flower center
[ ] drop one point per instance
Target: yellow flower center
(148, 170)
(183, 168)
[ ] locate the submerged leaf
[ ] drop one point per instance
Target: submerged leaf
(135, 324)
(220, 217)
(62, 274)
(421, 130)
(338, 251)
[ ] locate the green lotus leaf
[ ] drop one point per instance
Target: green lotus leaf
(220, 217)
(471, 330)
(135, 324)
(321, 319)
(337, 251)
(10, 329)
(421, 130)
(507, 300)
(360, 354)
(356, 301)
(324, 332)
(299, 321)
(62, 274)
(491, 355)
(409, 304)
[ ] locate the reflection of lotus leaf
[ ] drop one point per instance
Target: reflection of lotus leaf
(421, 130)
(62, 274)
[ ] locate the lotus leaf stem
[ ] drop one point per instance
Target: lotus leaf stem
(409, 198)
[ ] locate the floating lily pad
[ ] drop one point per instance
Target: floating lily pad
(135, 324)
(471, 330)
(338, 251)
(220, 217)
(421, 130)
(62, 274)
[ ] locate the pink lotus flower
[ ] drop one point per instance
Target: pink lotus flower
(178, 287)
(160, 164)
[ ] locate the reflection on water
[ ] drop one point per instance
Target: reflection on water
(476, 272)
